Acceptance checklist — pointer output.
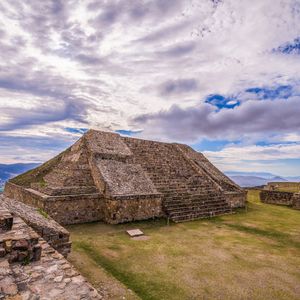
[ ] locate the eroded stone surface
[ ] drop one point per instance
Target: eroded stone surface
(52, 278)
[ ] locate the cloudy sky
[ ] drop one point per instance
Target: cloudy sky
(220, 75)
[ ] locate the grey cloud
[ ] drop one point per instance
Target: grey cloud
(193, 123)
(178, 50)
(52, 112)
(132, 11)
(60, 100)
(33, 148)
(164, 33)
(180, 86)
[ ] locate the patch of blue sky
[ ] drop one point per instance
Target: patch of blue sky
(266, 143)
(289, 47)
(282, 91)
(222, 102)
(212, 145)
(76, 130)
(128, 132)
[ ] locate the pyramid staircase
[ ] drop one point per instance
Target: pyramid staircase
(188, 194)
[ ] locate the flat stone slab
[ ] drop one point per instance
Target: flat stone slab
(135, 232)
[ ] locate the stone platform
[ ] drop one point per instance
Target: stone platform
(105, 176)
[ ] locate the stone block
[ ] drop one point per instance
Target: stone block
(135, 232)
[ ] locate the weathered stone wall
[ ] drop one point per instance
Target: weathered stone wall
(276, 197)
(66, 209)
(281, 186)
(75, 209)
(131, 208)
(56, 235)
(25, 195)
(235, 199)
(296, 201)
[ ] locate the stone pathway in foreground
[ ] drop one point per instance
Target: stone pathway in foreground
(52, 277)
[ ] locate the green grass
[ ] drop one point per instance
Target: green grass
(42, 213)
(37, 174)
(247, 255)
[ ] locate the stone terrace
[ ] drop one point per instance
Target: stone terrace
(29, 267)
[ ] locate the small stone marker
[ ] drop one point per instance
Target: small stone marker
(135, 232)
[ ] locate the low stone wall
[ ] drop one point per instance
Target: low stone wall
(296, 201)
(75, 209)
(281, 186)
(56, 235)
(130, 208)
(65, 209)
(236, 200)
(276, 197)
(27, 196)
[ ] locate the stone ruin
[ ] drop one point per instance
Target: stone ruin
(103, 176)
(107, 177)
(273, 193)
(33, 250)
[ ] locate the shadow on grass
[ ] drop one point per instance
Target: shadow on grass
(281, 238)
(136, 282)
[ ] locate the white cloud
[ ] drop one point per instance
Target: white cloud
(271, 158)
(101, 63)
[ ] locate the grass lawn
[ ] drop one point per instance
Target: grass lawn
(248, 255)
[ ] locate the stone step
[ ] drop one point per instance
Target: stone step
(190, 201)
(190, 217)
(207, 211)
(196, 207)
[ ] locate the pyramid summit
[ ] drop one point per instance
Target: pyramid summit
(105, 176)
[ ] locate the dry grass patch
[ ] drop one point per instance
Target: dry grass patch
(253, 255)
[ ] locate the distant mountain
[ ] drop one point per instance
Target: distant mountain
(293, 178)
(251, 179)
(278, 179)
(264, 175)
(12, 170)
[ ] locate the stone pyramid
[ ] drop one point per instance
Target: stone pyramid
(105, 176)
